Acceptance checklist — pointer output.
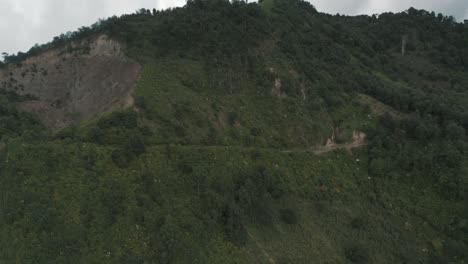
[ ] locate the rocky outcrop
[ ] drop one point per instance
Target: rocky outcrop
(78, 81)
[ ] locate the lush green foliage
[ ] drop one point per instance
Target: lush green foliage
(213, 165)
(14, 123)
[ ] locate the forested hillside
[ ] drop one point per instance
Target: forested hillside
(256, 133)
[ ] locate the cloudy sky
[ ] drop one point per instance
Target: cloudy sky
(26, 22)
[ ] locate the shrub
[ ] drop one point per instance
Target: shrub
(358, 222)
(233, 226)
(121, 158)
(127, 119)
(232, 118)
(96, 135)
(288, 216)
(357, 254)
(135, 144)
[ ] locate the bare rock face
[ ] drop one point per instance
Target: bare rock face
(76, 82)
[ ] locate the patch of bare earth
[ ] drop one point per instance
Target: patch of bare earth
(75, 82)
(359, 140)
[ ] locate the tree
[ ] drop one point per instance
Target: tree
(5, 58)
(233, 226)
(121, 158)
(288, 216)
(135, 144)
(453, 131)
(357, 253)
(142, 11)
(412, 11)
(440, 17)
(450, 19)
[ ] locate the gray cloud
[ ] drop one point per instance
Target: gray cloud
(457, 8)
(26, 22)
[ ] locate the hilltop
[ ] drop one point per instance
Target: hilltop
(232, 132)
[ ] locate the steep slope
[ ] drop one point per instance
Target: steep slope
(260, 133)
(76, 82)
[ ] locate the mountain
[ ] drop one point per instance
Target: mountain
(233, 132)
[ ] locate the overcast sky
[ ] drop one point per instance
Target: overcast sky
(26, 22)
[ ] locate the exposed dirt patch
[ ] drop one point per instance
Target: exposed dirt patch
(75, 82)
(359, 140)
(221, 120)
(276, 91)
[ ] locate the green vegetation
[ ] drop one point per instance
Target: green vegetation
(214, 164)
(14, 123)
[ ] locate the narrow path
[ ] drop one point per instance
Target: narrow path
(316, 151)
(348, 146)
(324, 150)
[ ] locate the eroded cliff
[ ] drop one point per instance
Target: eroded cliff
(76, 82)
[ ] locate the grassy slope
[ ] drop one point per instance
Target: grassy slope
(250, 116)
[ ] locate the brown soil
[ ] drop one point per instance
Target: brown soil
(359, 140)
(76, 82)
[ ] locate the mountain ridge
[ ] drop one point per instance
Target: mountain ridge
(216, 160)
